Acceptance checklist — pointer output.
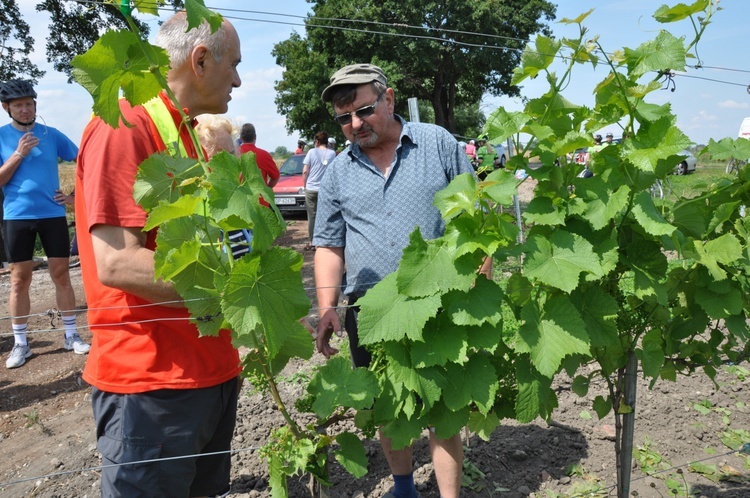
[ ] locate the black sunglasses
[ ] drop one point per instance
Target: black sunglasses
(361, 113)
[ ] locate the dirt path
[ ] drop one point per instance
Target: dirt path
(46, 427)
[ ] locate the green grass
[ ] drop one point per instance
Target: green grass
(694, 184)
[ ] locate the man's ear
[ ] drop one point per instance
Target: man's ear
(198, 58)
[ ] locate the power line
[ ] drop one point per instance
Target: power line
(406, 35)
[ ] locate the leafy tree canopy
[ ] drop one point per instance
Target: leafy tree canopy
(15, 45)
(446, 53)
(73, 29)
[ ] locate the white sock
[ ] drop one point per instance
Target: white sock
(70, 325)
(19, 333)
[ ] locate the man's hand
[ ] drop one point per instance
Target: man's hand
(27, 142)
(329, 322)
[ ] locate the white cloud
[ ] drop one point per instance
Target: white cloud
(732, 104)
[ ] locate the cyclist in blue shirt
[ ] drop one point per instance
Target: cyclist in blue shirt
(34, 205)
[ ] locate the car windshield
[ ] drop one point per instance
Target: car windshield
(292, 166)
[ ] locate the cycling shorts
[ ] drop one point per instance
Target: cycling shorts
(20, 238)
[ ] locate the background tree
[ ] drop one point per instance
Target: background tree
(281, 151)
(445, 52)
(15, 45)
(73, 29)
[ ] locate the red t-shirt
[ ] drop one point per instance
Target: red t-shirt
(266, 164)
(137, 346)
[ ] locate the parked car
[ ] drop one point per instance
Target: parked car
(502, 157)
(289, 192)
(687, 165)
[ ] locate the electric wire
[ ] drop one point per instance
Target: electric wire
(406, 35)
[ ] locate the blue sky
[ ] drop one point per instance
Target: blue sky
(704, 109)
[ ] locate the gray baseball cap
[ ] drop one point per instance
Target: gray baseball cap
(355, 74)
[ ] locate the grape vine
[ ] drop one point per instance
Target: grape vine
(598, 284)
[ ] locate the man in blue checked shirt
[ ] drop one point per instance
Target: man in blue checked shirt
(373, 196)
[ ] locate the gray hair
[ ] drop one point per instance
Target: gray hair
(174, 37)
(345, 94)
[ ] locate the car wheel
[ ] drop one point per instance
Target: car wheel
(502, 161)
(683, 170)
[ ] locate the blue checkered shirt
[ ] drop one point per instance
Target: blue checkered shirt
(371, 216)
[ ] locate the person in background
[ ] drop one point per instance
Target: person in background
(313, 169)
(471, 150)
(160, 390)
(370, 202)
(34, 206)
(301, 144)
(331, 143)
(265, 162)
(486, 157)
(609, 137)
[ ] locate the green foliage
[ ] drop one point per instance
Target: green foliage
(450, 347)
(405, 28)
(16, 45)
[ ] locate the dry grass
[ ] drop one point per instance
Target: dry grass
(67, 176)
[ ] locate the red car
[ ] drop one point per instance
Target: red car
(289, 192)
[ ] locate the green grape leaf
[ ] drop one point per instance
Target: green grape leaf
(542, 211)
(159, 177)
(663, 53)
(665, 14)
(481, 304)
(336, 384)
(386, 315)
(599, 312)
(117, 61)
(727, 148)
(576, 20)
(197, 12)
(443, 342)
(476, 381)
(655, 141)
(536, 398)
(650, 218)
(447, 423)
(486, 336)
(581, 385)
(602, 406)
(719, 302)
(483, 425)
(536, 58)
(182, 207)
(501, 124)
(351, 454)
(236, 184)
(501, 186)
(143, 6)
(552, 333)
(560, 259)
(725, 249)
(457, 197)
(403, 431)
(264, 292)
(424, 382)
(651, 353)
(427, 268)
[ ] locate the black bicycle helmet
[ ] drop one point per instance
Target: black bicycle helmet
(597, 138)
(16, 89)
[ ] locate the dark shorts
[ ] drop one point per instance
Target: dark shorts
(20, 238)
(163, 424)
(360, 356)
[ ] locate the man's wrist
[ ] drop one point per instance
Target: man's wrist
(15, 152)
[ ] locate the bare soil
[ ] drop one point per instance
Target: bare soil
(48, 448)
